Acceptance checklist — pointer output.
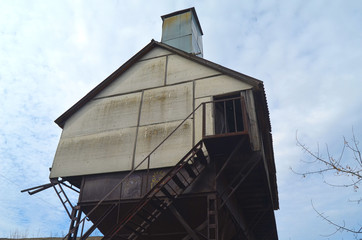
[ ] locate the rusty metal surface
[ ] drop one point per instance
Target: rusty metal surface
(243, 180)
(182, 30)
(181, 12)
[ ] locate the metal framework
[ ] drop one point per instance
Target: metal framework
(161, 197)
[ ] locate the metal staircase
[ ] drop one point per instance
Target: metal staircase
(157, 200)
(161, 196)
(69, 208)
(57, 186)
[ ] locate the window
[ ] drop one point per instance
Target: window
(228, 114)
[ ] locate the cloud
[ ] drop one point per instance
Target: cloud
(52, 53)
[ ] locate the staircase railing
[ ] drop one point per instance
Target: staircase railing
(147, 160)
(190, 164)
(207, 129)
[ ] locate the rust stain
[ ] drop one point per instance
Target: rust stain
(170, 21)
(185, 17)
(159, 132)
(117, 105)
(156, 177)
(154, 66)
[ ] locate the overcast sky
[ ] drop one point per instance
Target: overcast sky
(308, 53)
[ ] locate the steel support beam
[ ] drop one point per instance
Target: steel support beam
(198, 229)
(232, 154)
(183, 222)
(255, 163)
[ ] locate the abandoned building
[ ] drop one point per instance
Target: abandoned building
(169, 146)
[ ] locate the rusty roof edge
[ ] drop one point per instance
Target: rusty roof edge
(62, 118)
(270, 150)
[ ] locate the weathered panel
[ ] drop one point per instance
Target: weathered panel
(104, 115)
(98, 186)
(156, 52)
(184, 43)
(131, 187)
(180, 69)
(209, 120)
(142, 75)
(104, 152)
(218, 85)
(252, 122)
(171, 151)
(166, 104)
(197, 39)
(180, 32)
(176, 26)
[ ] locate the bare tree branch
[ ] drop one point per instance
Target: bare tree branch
(339, 227)
(347, 164)
(336, 166)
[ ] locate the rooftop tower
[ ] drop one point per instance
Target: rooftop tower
(182, 30)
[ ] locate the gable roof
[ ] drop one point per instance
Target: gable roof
(257, 84)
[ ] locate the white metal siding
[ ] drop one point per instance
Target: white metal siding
(97, 153)
(180, 69)
(104, 115)
(166, 104)
(142, 75)
(105, 133)
(218, 85)
(171, 151)
(156, 52)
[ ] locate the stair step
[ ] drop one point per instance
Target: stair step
(178, 182)
(132, 230)
(149, 214)
(189, 171)
(166, 192)
(201, 157)
(138, 226)
(146, 219)
(157, 206)
(132, 236)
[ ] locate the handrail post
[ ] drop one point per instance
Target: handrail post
(203, 120)
(235, 121)
(225, 119)
(148, 173)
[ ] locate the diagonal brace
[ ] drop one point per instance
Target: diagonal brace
(232, 154)
(241, 181)
(183, 222)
